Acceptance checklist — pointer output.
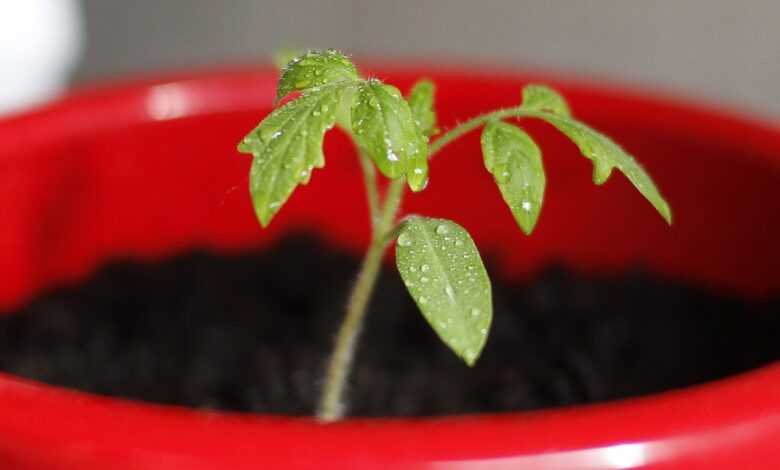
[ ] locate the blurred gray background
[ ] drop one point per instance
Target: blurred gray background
(723, 50)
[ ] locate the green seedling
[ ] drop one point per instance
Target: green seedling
(398, 135)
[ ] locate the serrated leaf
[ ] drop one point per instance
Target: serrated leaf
(421, 103)
(544, 98)
(606, 155)
(314, 69)
(384, 126)
(444, 274)
(515, 161)
(287, 146)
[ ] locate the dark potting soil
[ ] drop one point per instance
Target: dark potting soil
(252, 333)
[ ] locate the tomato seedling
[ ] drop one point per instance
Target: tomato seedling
(397, 135)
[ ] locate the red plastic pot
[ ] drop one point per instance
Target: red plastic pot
(147, 169)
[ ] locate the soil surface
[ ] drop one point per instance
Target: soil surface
(251, 333)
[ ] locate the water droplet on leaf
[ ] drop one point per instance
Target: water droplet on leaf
(501, 173)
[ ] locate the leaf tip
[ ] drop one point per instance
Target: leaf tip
(527, 227)
(666, 212)
(263, 211)
(601, 172)
(264, 216)
(471, 359)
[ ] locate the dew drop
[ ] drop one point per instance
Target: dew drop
(424, 279)
(425, 268)
(422, 300)
(404, 240)
(475, 312)
(448, 290)
(442, 229)
(267, 135)
(483, 331)
(501, 173)
(526, 205)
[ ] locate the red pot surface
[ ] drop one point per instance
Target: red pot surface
(149, 169)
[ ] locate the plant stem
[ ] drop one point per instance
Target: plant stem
(331, 406)
(473, 123)
(372, 193)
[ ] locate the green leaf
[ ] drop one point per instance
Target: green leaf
(544, 98)
(314, 69)
(287, 146)
(606, 155)
(444, 274)
(384, 126)
(421, 102)
(515, 161)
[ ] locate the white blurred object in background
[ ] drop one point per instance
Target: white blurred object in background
(40, 42)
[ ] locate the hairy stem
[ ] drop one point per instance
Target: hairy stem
(372, 192)
(331, 406)
(473, 123)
